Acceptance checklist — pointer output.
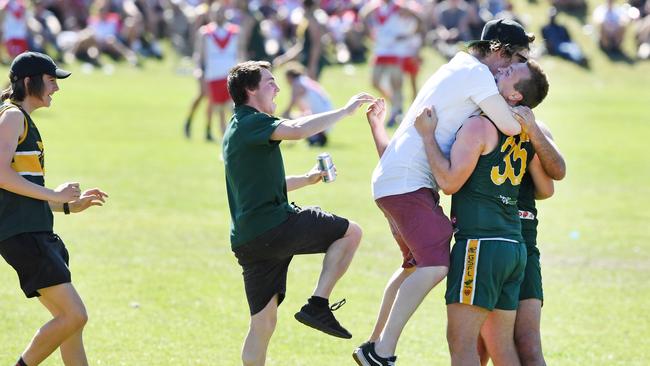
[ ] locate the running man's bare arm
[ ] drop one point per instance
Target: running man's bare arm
(306, 126)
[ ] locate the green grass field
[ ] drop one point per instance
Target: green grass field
(162, 287)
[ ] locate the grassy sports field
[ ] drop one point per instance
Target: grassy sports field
(162, 288)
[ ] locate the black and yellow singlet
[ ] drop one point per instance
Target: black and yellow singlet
(21, 214)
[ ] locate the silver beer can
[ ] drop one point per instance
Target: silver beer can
(325, 164)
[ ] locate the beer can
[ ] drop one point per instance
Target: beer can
(325, 164)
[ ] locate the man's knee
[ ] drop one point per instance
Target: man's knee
(263, 325)
(75, 319)
(529, 348)
(354, 233)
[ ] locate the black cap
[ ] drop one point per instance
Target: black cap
(34, 63)
(505, 31)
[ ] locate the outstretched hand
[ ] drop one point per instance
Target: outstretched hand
(426, 122)
(376, 113)
(357, 101)
(90, 197)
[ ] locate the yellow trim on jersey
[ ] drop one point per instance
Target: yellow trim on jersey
(27, 163)
(468, 287)
(22, 137)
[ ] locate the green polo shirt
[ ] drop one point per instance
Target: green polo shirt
(255, 180)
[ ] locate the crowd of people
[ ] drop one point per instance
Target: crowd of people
(494, 164)
(388, 33)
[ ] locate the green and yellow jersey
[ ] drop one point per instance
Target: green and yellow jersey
(486, 205)
(21, 214)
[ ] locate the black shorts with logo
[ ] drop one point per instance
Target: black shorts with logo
(265, 259)
(40, 260)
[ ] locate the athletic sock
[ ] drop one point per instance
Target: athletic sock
(21, 362)
(319, 302)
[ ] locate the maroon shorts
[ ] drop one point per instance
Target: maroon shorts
(419, 226)
(218, 91)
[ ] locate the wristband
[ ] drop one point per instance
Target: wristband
(66, 208)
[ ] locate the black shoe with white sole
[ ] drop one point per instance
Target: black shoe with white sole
(365, 355)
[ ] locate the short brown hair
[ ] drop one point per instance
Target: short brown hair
(245, 76)
(535, 88)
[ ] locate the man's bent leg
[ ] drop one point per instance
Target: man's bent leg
(72, 349)
(527, 333)
(410, 295)
(498, 334)
(463, 328)
(337, 260)
(69, 319)
(387, 301)
(259, 334)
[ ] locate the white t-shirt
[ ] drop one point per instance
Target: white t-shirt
(220, 50)
(15, 21)
(315, 96)
(455, 90)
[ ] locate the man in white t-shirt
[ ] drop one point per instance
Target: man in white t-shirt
(405, 189)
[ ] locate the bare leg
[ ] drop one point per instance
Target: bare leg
(72, 349)
(482, 351)
(527, 333)
(377, 76)
(337, 260)
(259, 334)
(390, 292)
(208, 126)
(222, 118)
(498, 333)
(70, 319)
(409, 296)
(463, 328)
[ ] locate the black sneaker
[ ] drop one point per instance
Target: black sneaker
(322, 319)
(365, 355)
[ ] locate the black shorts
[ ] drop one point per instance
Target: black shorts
(266, 259)
(40, 260)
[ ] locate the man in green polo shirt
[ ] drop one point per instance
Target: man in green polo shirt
(266, 231)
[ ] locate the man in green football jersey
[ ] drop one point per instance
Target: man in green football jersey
(483, 173)
(531, 296)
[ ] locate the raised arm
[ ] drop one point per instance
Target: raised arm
(451, 174)
(376, 116)
(544, 187)
(549, 154)
(309, 125)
